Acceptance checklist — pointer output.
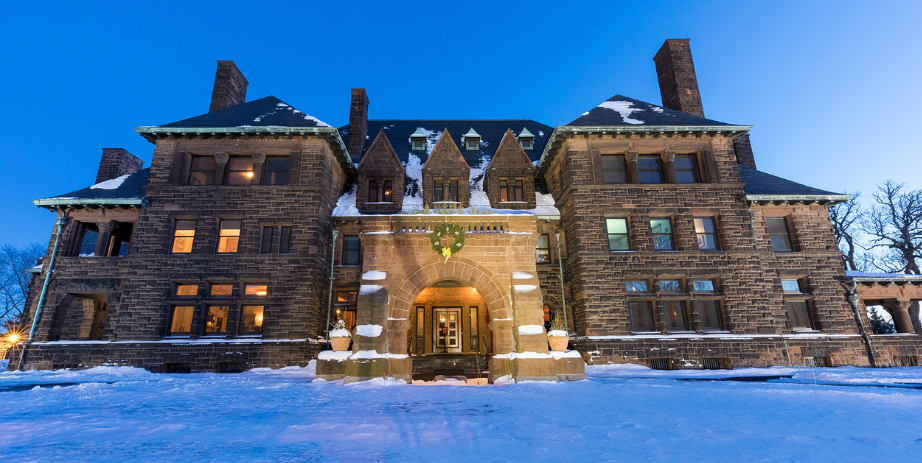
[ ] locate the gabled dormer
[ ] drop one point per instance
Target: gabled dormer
(526, 139)
(446, 175)
(418, 140)
(510, 178)
(471, 140)
(381, 178)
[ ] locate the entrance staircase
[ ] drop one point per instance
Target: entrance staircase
(443, 366)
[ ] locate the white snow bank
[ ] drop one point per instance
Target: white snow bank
(624, 109)
(568, 354)
(369, 331)
(523, 355)
(110, 184)
(374, 275)
(370, 354)
(522, 276)
(557, 333)
(345, 206)
(334, 356)
(369, 289)
(531, 329)
(340, 333)
(524, 288)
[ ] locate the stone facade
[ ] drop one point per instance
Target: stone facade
(446, 165)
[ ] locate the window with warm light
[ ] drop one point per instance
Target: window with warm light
(255, 290)
(543, 251)
(676, 318)
(181, 320)
(216, 319)
(239, 170)
(251, 319)
(183, 235)
(511, 190)
(380, 190)
(228, 236)
(345, 305)
(222, 289)
(186, 290)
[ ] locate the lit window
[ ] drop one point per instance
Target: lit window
(285, 240)
(636, 286)
(275, 170)
(352, 250)
(706, 233)
(388, 190)
(710, 316)
(542, 252)
(222, 289)
(662, 234)
(779, 233)
(239, 170)
(186, 290)
(380, 190)
(266, 244)
(201, 171)
(613, 169)
(503, 190)
(229, 236)
(181, 322)
(641, 315)
(791, 286)
(670, 286)
(445, 190)
(676, 319)
(251, 319)
(255, 290)
(346, 297)
(618, 239)
(183, 235)
(345, 307)
(799, 315)
(216, 319)
(686, 169)
(703, 285)
(649, 169)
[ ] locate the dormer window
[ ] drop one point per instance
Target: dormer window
(418, 139)
(472, 140)
(526, 139)
(380, 190)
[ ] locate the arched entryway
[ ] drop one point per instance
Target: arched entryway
(449, 318)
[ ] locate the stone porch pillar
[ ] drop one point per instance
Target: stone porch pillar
(105, 235)
(901, 318)
(632, 174)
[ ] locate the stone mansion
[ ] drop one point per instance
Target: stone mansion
(645, 229)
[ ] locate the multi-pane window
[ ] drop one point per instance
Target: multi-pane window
(670, 286)
(251, 319)
(255, 289)
(181, 320)
(662, 234)
(709, 310)
(372, 190)
(345, 307)
(380, 191)
(779, 233)
(89, 236)
(649, 169)
(542, 252)
(446, 190)
(511, 190)
(636, 286)
(613, 169)
(186, 290)
(228, 236)
(275, 170)
(706, 232)
(183, 235)
(799, 315)
(239, 170)
(686, 169)
(676, 318)
(201, 171)
(285, 239)
(352, 250)
(222, 289)
(641, 313)
(618, 238)
(268, 234)
(216, 319)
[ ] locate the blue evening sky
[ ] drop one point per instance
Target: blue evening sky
(832, 88)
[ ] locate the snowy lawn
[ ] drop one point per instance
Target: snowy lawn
(619, 414)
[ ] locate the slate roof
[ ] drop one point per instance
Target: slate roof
(623, 111)
(491, 133)
(130, 191)
(264, 112)
(761, 183)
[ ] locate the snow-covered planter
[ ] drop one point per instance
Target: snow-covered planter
(340, 337)
(557, 337)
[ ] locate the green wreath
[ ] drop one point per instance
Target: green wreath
(447, 229)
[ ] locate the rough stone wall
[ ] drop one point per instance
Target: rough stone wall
(446, 162)
(230, 87)
(380, 162)
(358, 121)
(116, 162)
(677, 81)
(510, 162)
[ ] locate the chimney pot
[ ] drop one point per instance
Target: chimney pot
(116, 162)
(676, 73)
(358, 122)
(230, 87)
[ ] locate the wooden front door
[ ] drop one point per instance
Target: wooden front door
(447, 330)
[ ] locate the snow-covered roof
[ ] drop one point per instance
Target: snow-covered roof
(620, 110)
(526, 133)
(127, 190)
(871, 277)
(264, 112)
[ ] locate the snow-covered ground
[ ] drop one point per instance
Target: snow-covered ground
(619, 414)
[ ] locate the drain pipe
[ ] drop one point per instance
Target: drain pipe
(563, 297)
(853, 301)
(332, 268)
(38, 310)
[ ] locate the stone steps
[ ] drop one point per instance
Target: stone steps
(427, 367)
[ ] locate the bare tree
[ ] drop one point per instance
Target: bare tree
(846, 218)
(894, 223)
(15, 278)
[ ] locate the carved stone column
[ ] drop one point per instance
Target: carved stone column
(220, 166)
(105, 235)
(258, 160)
(901, 318)
(631, 159)
(669, 166)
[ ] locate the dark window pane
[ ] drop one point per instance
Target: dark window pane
(641, 315)
(251, 319)
(285, 240)
(268, 233)
(275, 170)
(202, 170)
(799, 314)
(453, 190)
(686, 169)
(778, 231)
(675, 315)
(710, 315)
(649, 169)
(438, 190)
(519, 190)
(372, 190)
(613, 169)
(88, 243)
(351, 250)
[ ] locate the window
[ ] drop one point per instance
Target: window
(791, 286)
(799, 315)
(352, 250)
(181, 320)
(710, 315)
(251, 319)
(186, 290)
(222, 289)
(446, 190)
(706, 233)
(686, 169)
(380, 191)
(649, 169)
(216, 319)
(372, 190)
(345, 307)
(239, 170)
(183, 235)
(285, 240)
(518, 191)
(503, 190)
(418, 142)
(201, 171)
(228, 236)
(388, 190)
(670, 286)
(618, 239)
(613, 169)
(89, 236)
(265, 246)
(676, 319)
(779, 233)
(641, 315)
(526, 143)
(275, 170)
(703, 286)
(472, 143)
(120, 240)
(255, 290)
(662, 234)
(636, 286)
(513, 193)
(542, 252)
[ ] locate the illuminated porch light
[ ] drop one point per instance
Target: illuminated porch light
(250, 174)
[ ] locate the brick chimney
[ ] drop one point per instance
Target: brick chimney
(230, 87)
(743, 149)
(358, 121)
(677, 82)
(116, 162)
